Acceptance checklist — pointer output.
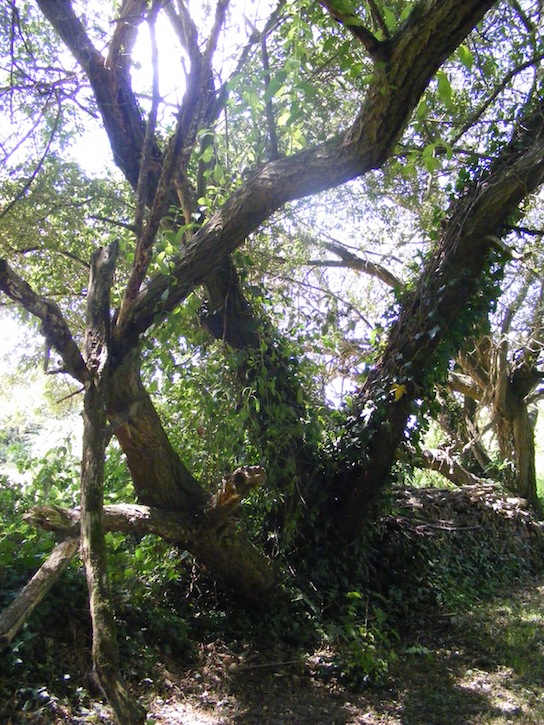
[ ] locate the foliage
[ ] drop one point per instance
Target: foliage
(363, 642)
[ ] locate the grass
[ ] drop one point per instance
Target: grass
(539, 455)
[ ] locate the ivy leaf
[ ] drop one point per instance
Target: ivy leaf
(390, 18)
(398, 391)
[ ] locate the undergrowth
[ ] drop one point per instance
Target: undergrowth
(358, 604)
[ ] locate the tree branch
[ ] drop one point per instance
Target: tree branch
(362, 265)
(211, 538)
(496, 92)
(269, 106)
(416, 52)
(356, 27)
(465, 384)
(445, 289)
(54, 326)
(145, 234)
(95, 438)
(16, 614)
(131, 15)
(440, 461)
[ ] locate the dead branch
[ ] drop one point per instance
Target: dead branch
(16, 614)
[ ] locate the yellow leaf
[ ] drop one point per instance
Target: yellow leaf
(398, 391)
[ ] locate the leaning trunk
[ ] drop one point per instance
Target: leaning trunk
(161, 480)
(455, 289)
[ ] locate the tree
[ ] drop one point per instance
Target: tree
(313, 97)
(501, 375)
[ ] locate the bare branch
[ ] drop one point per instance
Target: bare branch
(145, 234)
(211, 45)
(215, 108)
(466, 385)
(214, 546)
(499, 88)
(120, 111)
(440, 461)
(185, 29)
(54, 326)
(16, 614)
(131, 15)
(147, 149)
(363, 265)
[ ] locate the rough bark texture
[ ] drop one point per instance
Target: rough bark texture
(407, 63)
(445, 289)
(54, 327)
(515, 435)
(424, 41)
(159, 476)
(504, 389)
(93, 549)
(128, 518)
(210, 535)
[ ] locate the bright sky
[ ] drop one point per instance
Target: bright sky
(13, 337)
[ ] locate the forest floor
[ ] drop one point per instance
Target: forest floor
(480, 663)
(484, 665)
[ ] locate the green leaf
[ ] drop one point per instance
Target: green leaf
(422, 109)
(207, 154)
(444, 88)
(390, 17)
(276, 86)
(465, 56)
(406, 12)
(429, 159)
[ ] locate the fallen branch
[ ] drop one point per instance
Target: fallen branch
(440, 461)
(127, 518)
(16, 614)
(173, 526)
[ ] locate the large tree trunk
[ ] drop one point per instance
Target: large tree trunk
(434, 321)
(161, 480)
(515, 435)
(95, 439)
(159, 476)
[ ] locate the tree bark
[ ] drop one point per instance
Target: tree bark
(413, 55)
(159, 476)
(438, 460)
(211, 535)
(516, 439)
(93, 548)
(440, 301)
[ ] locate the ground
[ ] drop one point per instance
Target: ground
(475, 661)
(481, 666)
